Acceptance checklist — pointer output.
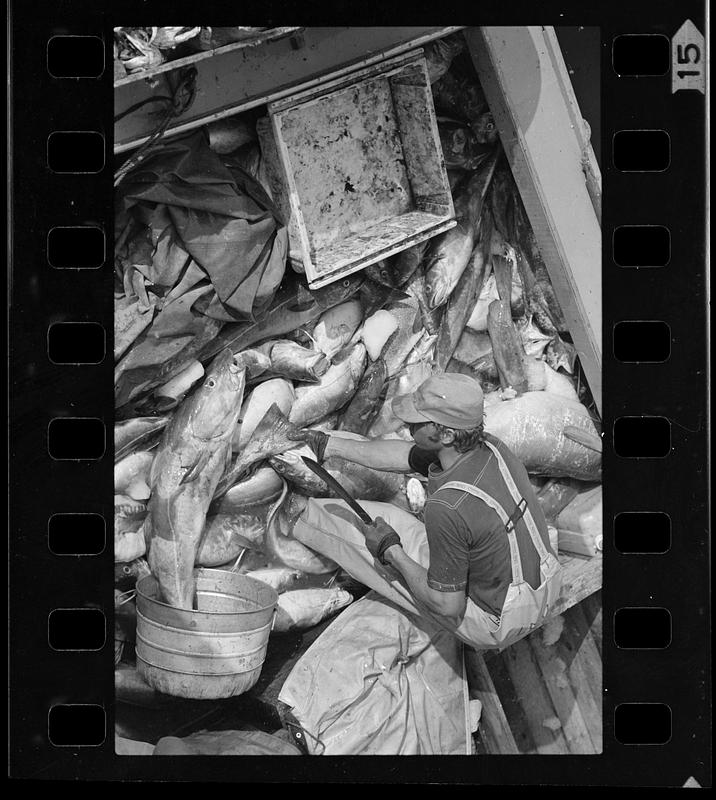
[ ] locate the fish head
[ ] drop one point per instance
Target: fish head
(381, 273)
(216, 404)
(485, 128)
(338, 291)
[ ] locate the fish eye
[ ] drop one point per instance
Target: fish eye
(211, 383)
(346, 283)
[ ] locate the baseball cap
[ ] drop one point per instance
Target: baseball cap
(450, 399)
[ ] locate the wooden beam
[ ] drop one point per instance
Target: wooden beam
(494, 727)
(581, 636)
(495, 663)
(584, 668)
(578, 543)
(592, 609)
(528, 90)
(580, 578)
(534, 699)
(554, 672)
(235, 80)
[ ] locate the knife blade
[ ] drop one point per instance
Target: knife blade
(326, 476)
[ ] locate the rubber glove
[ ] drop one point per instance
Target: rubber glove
(316, 440)
(379, 537)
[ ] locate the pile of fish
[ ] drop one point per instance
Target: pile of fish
(206, 471)
(137, 49)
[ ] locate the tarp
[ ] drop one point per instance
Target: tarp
(200, 243)
(380, 680)
(221, 216)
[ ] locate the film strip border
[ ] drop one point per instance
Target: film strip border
(656, 689)
(654, 309)
(61, 579)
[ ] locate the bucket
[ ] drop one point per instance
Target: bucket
(214, 651)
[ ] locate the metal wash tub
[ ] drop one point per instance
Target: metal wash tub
(214, 651)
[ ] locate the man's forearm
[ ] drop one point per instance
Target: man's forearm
(390, 455)
(416, 576)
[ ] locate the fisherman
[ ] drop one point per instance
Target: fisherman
(492, 575)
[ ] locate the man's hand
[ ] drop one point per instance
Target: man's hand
(379, 537)
(316, 440)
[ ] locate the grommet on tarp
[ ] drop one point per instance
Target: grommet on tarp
(300, 736)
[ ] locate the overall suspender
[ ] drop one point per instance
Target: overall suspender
(509, 522)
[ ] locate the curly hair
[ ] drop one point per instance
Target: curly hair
(465, 439)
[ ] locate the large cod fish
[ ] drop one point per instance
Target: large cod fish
(192, 456)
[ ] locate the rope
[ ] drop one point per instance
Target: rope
(160, 98)
(181, 100)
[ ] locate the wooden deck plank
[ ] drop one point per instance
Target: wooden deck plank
(494, 726)
(534, 699)
(582, 676)
(583, 544)
(554, 672)
(592, 610)
(510, 701)
(580, 578)
(580, 638)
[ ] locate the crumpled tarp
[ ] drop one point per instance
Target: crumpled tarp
(199, 244)
(381, 680)
(220, 215)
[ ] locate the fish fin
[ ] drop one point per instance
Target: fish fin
(239, 559)
(313, 341)
(299, 306)
(163, 404)
(196, 468)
